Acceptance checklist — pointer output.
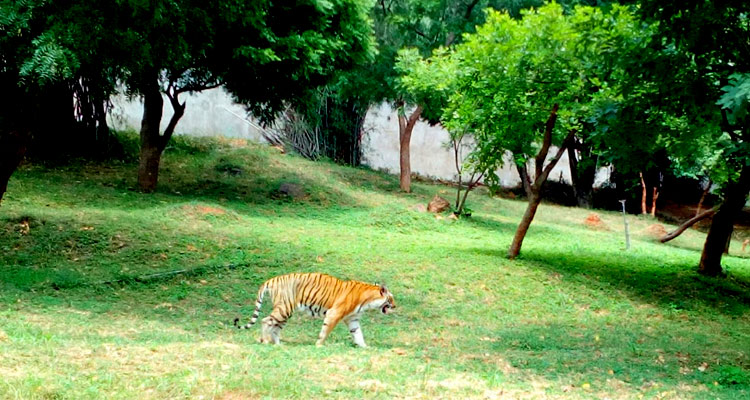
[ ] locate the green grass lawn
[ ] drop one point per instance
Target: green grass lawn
(575, 317)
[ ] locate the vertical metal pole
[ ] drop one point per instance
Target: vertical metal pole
(627, 234)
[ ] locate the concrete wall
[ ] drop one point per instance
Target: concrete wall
(431, 153)
(213, 113)
(208, 113)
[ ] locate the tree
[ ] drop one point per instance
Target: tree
(425, 26)
(265, 53)
(25, 103)
(525, 85)
(711, 89)
(263, 61)
(431, 83)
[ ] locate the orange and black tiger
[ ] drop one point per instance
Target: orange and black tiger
(318, 295)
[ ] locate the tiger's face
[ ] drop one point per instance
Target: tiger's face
(389, 302)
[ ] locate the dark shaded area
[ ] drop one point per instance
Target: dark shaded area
(656, 281)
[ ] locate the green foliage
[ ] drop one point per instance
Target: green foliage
(425, 82)
(262, 54)
(510, 73)
(736, 98)
(700, 76)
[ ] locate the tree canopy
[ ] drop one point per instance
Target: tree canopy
(266, 53)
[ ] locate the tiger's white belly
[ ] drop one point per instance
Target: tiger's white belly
(313, 311)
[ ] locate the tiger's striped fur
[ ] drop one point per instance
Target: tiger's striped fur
(318, 295)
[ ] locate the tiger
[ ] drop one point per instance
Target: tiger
(319, 295)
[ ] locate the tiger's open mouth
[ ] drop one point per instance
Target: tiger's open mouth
(386, 308)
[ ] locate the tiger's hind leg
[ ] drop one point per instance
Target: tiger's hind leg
(271, 328)
(266, 330)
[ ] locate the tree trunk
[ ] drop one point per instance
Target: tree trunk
(525, 179)
(523, 226)
(723, 224)
(729, 241)
(703, 198)
(405, 161)
(150, 155)
(582, 175)
(535, 189)
(644, 193)
(654, 196)
(12, 149)
(405, 128)
(152, 143)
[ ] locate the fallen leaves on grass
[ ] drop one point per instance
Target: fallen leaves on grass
(372, 385)
(399, 351)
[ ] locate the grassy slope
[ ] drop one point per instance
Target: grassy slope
(575, 317)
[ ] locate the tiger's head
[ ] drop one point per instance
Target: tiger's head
(389, 303)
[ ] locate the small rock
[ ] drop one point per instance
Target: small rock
(438, 205)
(418, 208)
(453, 216)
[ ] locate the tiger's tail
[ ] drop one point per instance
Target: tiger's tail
(258, 303)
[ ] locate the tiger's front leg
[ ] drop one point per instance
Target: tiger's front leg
(332, 318)
(356, 330)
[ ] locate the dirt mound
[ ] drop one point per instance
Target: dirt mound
(203, 210)
(656, 230)
(593, 221)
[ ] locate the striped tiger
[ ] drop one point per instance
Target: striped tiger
(318, 295)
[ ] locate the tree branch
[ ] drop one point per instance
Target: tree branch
(687, 224)
(421, 34)
(539, 180)
(546, 142)
(179, 110)
(414, 117)
(525, 179)
(196, 88)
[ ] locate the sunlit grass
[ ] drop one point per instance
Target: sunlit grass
(575, 317)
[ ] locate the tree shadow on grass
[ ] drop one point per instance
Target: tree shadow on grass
(670, 284)
(594, 353)
(254, 179)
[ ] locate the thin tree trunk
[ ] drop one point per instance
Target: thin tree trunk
(654, 196)
(456, 146)
(405, 128)
(470, 185)
(523, 226)
(687, 224)
(535, 189)
(582, 175)
(153, 143)
(12, 149)
(525, 179)
(644, 193)
(703, 198)
(729, 241)
(723, 224)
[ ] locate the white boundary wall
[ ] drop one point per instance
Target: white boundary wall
(213, 113)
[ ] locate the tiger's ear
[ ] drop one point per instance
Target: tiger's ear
(383, 289)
